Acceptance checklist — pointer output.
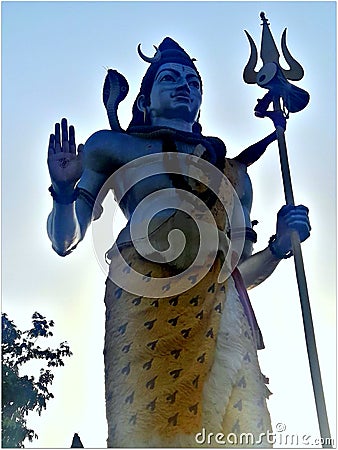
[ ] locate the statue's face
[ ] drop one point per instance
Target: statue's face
(176, 93)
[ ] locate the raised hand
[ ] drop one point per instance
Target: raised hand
(64, 160)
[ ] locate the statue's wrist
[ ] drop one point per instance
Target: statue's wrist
(64, 196)
(64, 187)
(276, 250)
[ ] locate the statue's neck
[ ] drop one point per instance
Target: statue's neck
(176, 124)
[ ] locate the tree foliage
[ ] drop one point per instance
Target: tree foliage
(21, 394)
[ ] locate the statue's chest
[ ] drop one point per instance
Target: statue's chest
(170, 146)
(154, 164)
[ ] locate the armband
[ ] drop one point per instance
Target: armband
(64, 199)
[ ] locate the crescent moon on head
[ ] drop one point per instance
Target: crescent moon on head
(148, 59)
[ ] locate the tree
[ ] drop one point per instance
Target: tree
(21, 394)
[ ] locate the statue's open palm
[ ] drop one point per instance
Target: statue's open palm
(64, 160)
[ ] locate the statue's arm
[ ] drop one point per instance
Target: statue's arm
(256, 268)
(252, 153)
(76, 180)
(67, 223)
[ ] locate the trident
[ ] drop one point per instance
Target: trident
(286, 98)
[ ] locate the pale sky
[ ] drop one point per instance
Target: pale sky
(53, 59)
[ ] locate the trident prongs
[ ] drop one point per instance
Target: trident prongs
(269, 53)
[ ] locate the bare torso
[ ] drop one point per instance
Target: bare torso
(106, 152)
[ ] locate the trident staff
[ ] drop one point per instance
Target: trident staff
(286, 98)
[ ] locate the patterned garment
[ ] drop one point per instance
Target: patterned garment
(180, 365)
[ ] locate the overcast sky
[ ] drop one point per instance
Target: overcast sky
(53, 59)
